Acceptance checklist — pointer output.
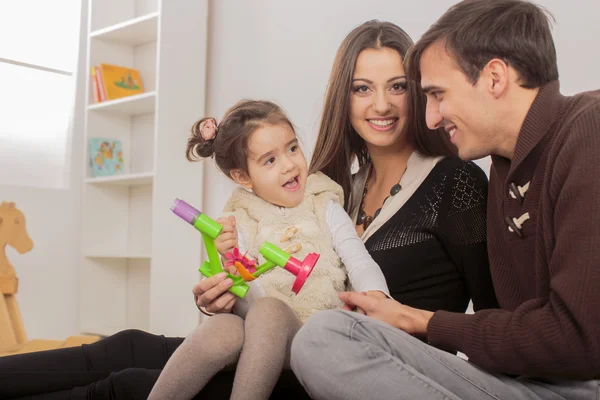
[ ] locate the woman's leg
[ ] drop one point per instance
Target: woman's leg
(127, 384)
(213, 345)
(269, 329)
(62, 369)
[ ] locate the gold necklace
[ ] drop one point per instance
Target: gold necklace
(366, 220)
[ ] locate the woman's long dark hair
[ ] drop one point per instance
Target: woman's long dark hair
(338, 143)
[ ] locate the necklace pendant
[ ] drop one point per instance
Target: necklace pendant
(376, 213)
(361, 217)
(395, 189)
(368, 220)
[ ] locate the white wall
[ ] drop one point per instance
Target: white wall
(278, 50)
(48, 275)
(283, 51)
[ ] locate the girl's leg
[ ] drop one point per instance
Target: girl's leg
(213, 345)
(55, 370)
(269, 329)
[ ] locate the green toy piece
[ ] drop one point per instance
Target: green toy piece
(273, 255)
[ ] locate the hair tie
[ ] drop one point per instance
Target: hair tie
(208, 129)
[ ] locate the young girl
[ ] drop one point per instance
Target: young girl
(256, 146)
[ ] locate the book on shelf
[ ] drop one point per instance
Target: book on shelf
(110, 82)
(106, 157)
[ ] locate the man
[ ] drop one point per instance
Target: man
(488, 68)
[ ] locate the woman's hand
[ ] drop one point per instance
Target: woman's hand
(228, 238)
(212, 295)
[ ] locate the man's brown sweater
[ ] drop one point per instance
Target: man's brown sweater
(546, 267)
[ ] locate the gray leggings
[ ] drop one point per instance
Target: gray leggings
(260, 344)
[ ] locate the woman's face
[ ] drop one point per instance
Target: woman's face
(378, 98)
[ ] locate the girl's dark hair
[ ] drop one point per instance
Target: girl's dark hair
(338, 143)
(229, 146)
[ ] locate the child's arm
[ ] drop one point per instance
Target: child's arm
(227, 243)
(365, 275)
(228, 238)
(256, 291)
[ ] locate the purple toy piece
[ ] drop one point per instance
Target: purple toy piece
(185, 211)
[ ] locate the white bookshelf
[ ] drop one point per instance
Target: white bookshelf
(139, 179)
(133, 32)
(116, 256)
(131, 106)
(138, 261)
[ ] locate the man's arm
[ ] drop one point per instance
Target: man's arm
(557, 335)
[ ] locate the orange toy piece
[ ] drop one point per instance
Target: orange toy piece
(243, 272)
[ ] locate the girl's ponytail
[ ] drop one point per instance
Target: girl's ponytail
(201, 143)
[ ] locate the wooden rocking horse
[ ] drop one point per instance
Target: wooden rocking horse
(13, 338)
(13, 232)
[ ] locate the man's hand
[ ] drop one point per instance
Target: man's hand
(373, 293)
(376, 294)
(411, 320)
(228, 238)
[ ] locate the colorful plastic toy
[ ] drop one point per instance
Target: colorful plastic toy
(274, 256)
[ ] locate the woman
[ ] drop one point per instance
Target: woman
(419, 209)
(429, 238)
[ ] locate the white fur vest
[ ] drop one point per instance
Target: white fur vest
(258, 221)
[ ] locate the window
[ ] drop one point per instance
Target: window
(38, 60)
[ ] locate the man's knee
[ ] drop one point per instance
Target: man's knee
(322, 325)
(317, 333)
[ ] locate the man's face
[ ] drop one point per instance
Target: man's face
(466, 111)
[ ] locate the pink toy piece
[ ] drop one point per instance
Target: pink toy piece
(301, 269)
(234, 256)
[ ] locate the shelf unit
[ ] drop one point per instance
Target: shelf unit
(133, 32)
(135, 179)
(138, 261)
(129, 106)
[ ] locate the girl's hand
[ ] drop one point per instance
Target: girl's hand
(228, 238)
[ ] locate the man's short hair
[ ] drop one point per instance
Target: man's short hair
(477, 31)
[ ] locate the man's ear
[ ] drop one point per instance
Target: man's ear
(241, 178)
(497, 73)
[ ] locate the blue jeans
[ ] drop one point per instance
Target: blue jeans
(344, 355)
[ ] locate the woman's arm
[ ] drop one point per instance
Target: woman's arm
(364, 274)
(463, 231)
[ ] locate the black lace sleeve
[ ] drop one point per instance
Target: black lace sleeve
(463, 230)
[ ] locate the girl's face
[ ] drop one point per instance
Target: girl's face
(378, 102)
(277, 169)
